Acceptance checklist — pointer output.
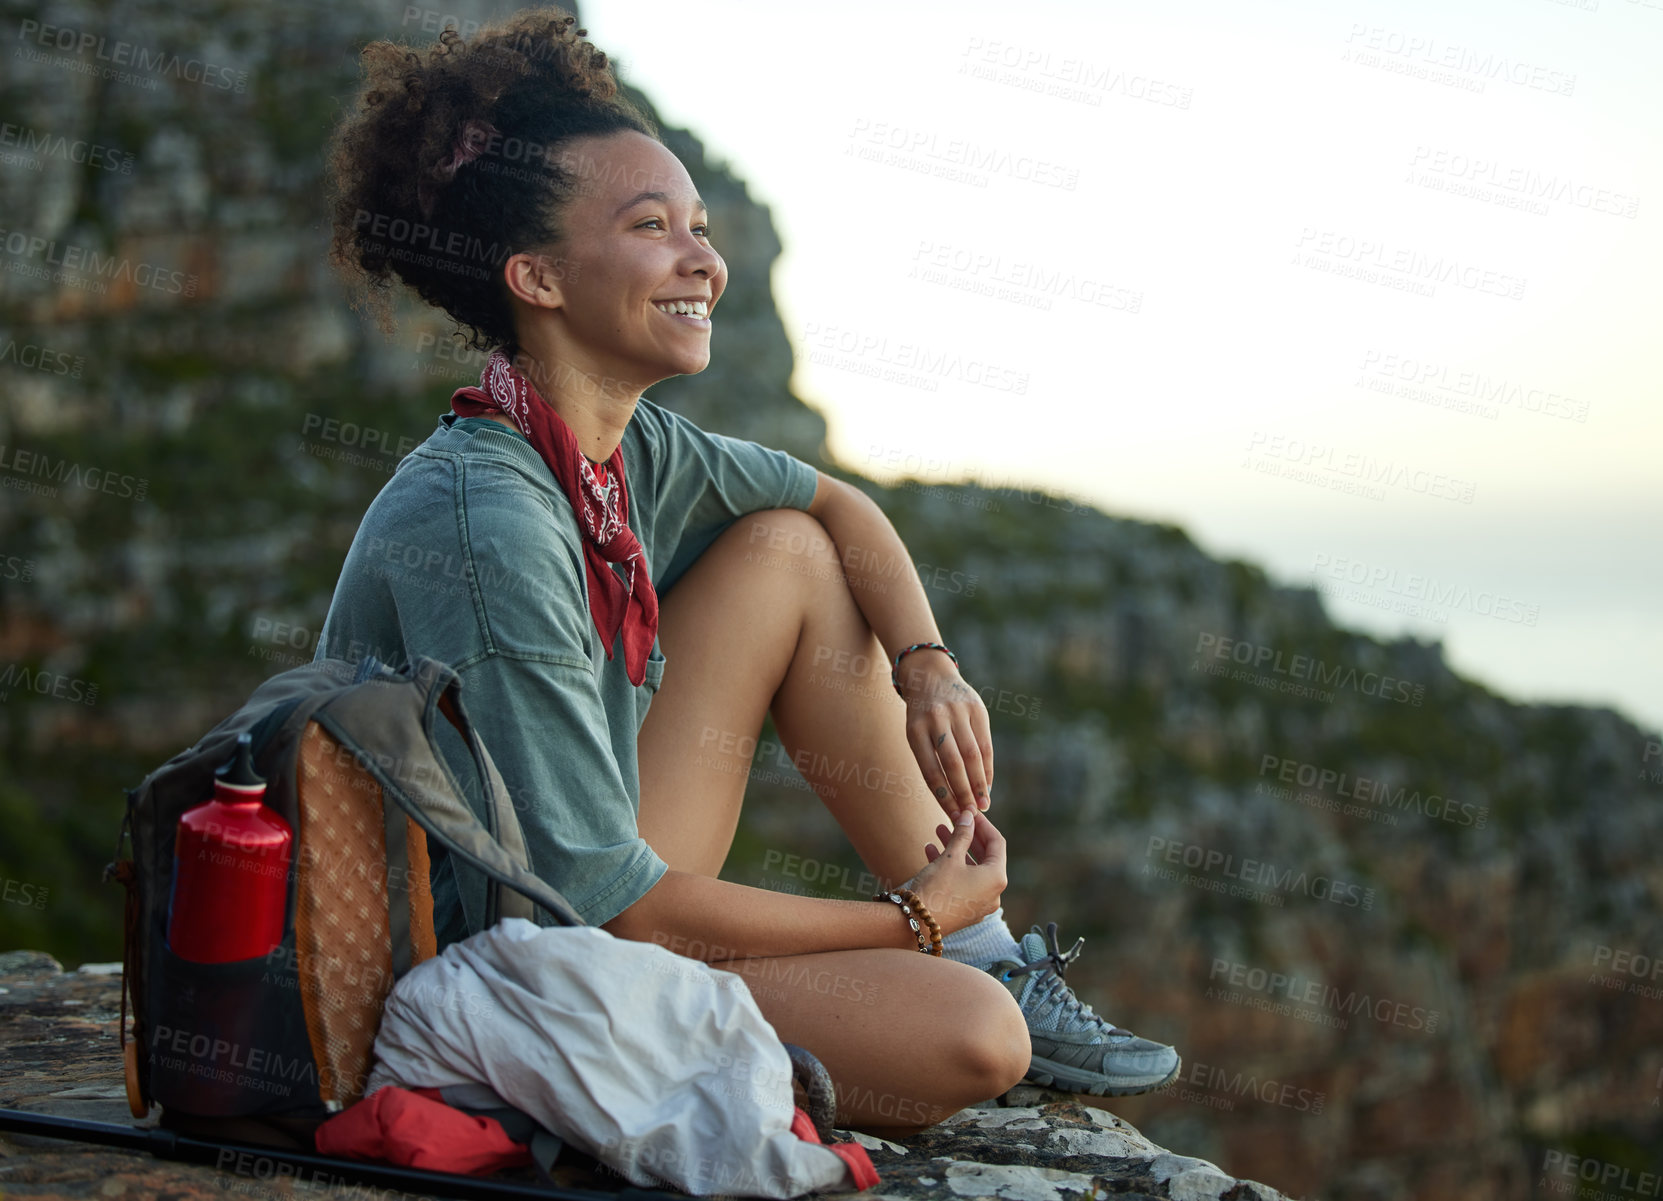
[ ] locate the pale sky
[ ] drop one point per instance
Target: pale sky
(1361, 293)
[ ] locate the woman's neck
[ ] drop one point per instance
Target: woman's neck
(502, 418)
(596, 407)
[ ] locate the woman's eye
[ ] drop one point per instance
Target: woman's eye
(702, 229)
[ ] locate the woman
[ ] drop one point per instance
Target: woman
(561, 540)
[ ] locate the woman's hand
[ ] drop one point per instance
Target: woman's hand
(966, 876)
(948, 730)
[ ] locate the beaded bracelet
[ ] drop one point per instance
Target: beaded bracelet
(923, 925)
(894, 671)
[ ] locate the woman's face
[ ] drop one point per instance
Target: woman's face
(636, 251)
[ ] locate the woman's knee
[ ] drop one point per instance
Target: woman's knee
(988, 1037)
(1008, 1050)
(791, 532)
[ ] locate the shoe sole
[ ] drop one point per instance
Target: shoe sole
(1053, 1075)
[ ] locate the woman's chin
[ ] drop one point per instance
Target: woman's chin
(652, 371)
(691, 364)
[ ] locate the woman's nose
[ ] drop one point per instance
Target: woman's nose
(702, 259)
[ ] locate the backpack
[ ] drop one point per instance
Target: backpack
(268, 1049)
(265, 1049)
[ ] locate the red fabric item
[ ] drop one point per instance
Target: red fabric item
(396, 1125)
(803, 1126)
(861, 1170)
(627, 604)
(415, 1129)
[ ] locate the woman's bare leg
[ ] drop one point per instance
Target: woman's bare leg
(908, 1039)
(764, 620)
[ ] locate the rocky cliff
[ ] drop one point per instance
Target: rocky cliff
(1403, 930)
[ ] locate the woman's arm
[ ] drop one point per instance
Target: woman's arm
(887, 587)
(710, 919)
(715, 920)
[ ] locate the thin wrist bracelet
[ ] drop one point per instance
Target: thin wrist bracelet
(895, 668)
(924, 927)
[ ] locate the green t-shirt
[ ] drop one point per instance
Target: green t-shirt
(472, 555)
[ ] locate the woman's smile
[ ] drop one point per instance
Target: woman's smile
(693, 311)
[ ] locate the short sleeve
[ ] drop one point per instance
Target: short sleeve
(707, 481)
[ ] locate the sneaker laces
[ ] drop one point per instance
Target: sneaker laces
(1053, 987)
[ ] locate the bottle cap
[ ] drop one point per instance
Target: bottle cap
(238, 771)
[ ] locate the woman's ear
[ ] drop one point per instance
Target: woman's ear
(535, 277)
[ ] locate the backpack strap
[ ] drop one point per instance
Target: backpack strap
(398, 888)
(125, 873)
(379, 714)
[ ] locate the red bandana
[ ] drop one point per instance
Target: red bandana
(627, 602)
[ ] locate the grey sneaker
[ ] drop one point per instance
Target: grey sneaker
(1074, 1049)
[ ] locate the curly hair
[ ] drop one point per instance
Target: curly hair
(449, 163)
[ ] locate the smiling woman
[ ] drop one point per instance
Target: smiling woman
(560, 540)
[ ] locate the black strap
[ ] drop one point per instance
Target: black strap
(545, 1147)
(809, 1072)
(377, 1176)
(398, 887)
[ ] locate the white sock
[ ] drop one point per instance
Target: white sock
(982, 943)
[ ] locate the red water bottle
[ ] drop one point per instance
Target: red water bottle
(230, 870)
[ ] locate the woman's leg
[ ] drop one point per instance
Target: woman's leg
(764, 620)
(908, 1039)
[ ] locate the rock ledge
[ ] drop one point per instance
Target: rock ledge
(57, 1056)
(1042, 1145)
